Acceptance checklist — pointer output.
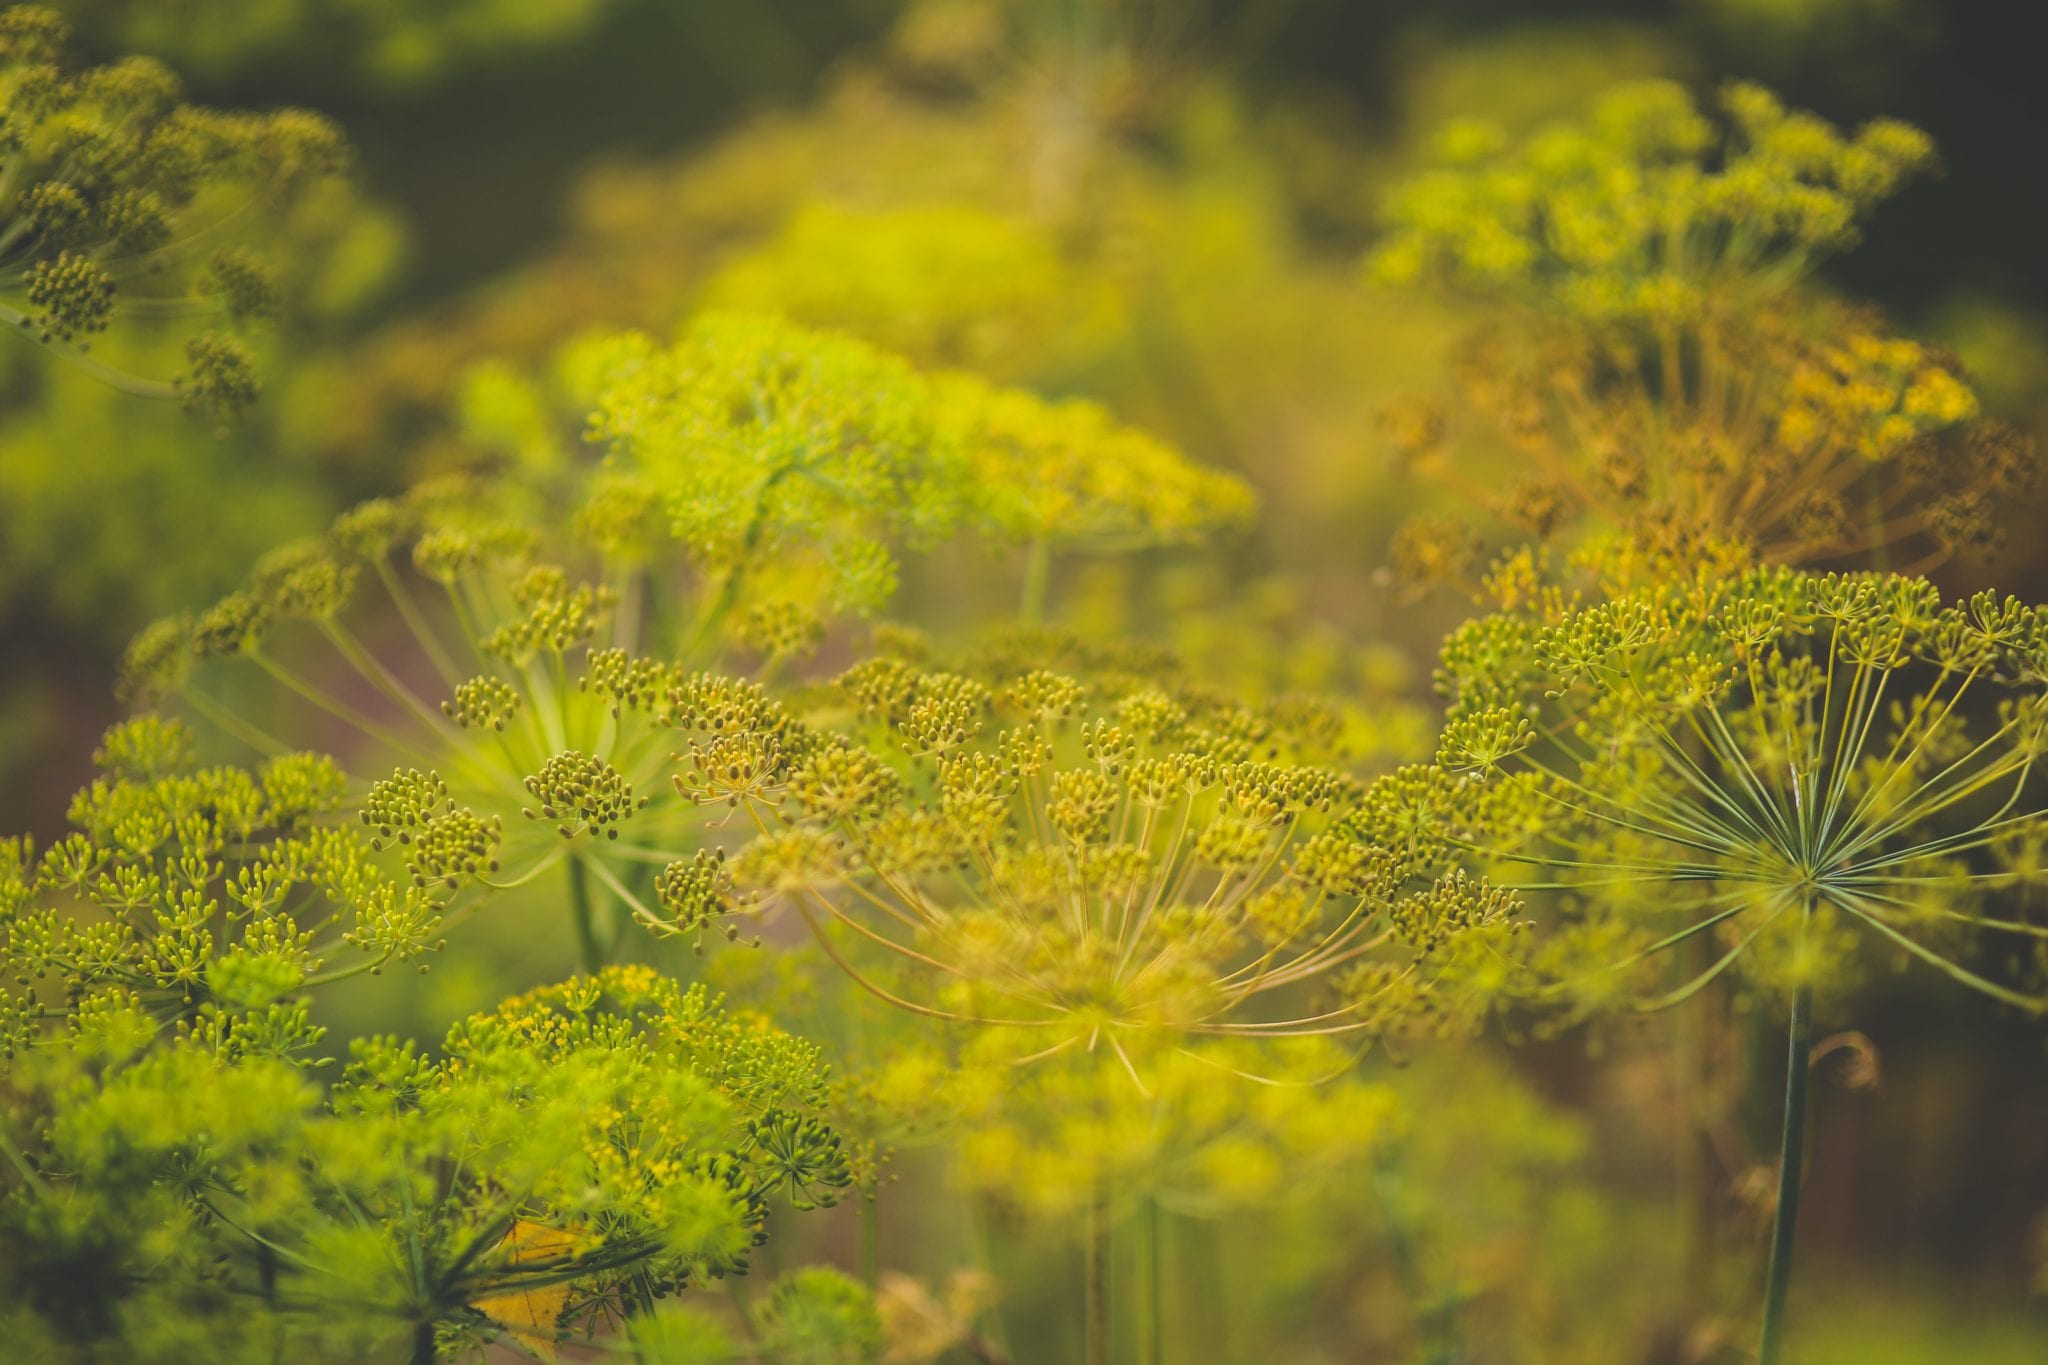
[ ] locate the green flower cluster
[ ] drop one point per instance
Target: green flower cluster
(1647, 213)
(595, 718)
(1779, 761)
(211, 897)
(1123, 868)
(1661, 367)
(122, 200)
(178, 1178)
(1129, 932)
(1695, 767)
(795, 453)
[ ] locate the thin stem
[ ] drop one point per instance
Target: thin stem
(870, 1237)
(1791, 1156)
(1037, 581)
(634, 908)
(229, 723)
(415, 621)
(1435, 1313)
(21, 324)
(341, 710)
(424, 1351)
(986, 1238)
(579, 910)
(20, 1161)
(1097, 1274)
(1155, 1319)
(1690, 1045)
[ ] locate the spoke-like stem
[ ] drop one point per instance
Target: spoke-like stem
(416, 621)
(22, 325)
(1791, 1155)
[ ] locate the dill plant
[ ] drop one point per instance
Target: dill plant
(578, 619)
(172, 253)
(121, 202)
(1659, 361)
(177, 1179)
(1135, 931)
(1780, 763)
(1148, 917)
(949, 282)
(1169, 263)
(758, 479)
(1141, 870)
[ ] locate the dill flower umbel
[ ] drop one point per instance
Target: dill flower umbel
(946, 282)
(121, 200)
(1807, 753)
(545, 756)
(556, 1166)
(209, 898)
(1816, 436)
(1117, 868)
(783, 446)
(1137, 923)
(548, 657)
(564, 1162)
(1648, 213)
(1778, 763)
(1666, 372)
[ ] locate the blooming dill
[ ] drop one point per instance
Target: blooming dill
(1120, 875)
(1781, 763)
(564, 1162)
(123, 201)
(585, 624)
(1660, 368)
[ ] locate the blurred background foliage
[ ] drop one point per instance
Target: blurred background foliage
(1161, 205)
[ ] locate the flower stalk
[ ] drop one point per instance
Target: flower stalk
(1791, 1156)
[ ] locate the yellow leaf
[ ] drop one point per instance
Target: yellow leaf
(530, 1314)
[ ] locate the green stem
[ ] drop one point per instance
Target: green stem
(1155, 1320)
(20, 1162)
(622, 907)
(703, 629)
(982, 1216)
(1695, 1177)
(594, 955)
(424, 1351)
(870, 1238)
(1037, 582)
(744, 1312)
(415, 620)
(1791, 1155)
(1097, 1273)
(23, 326)
(1880, 552)
(1435, 1320)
